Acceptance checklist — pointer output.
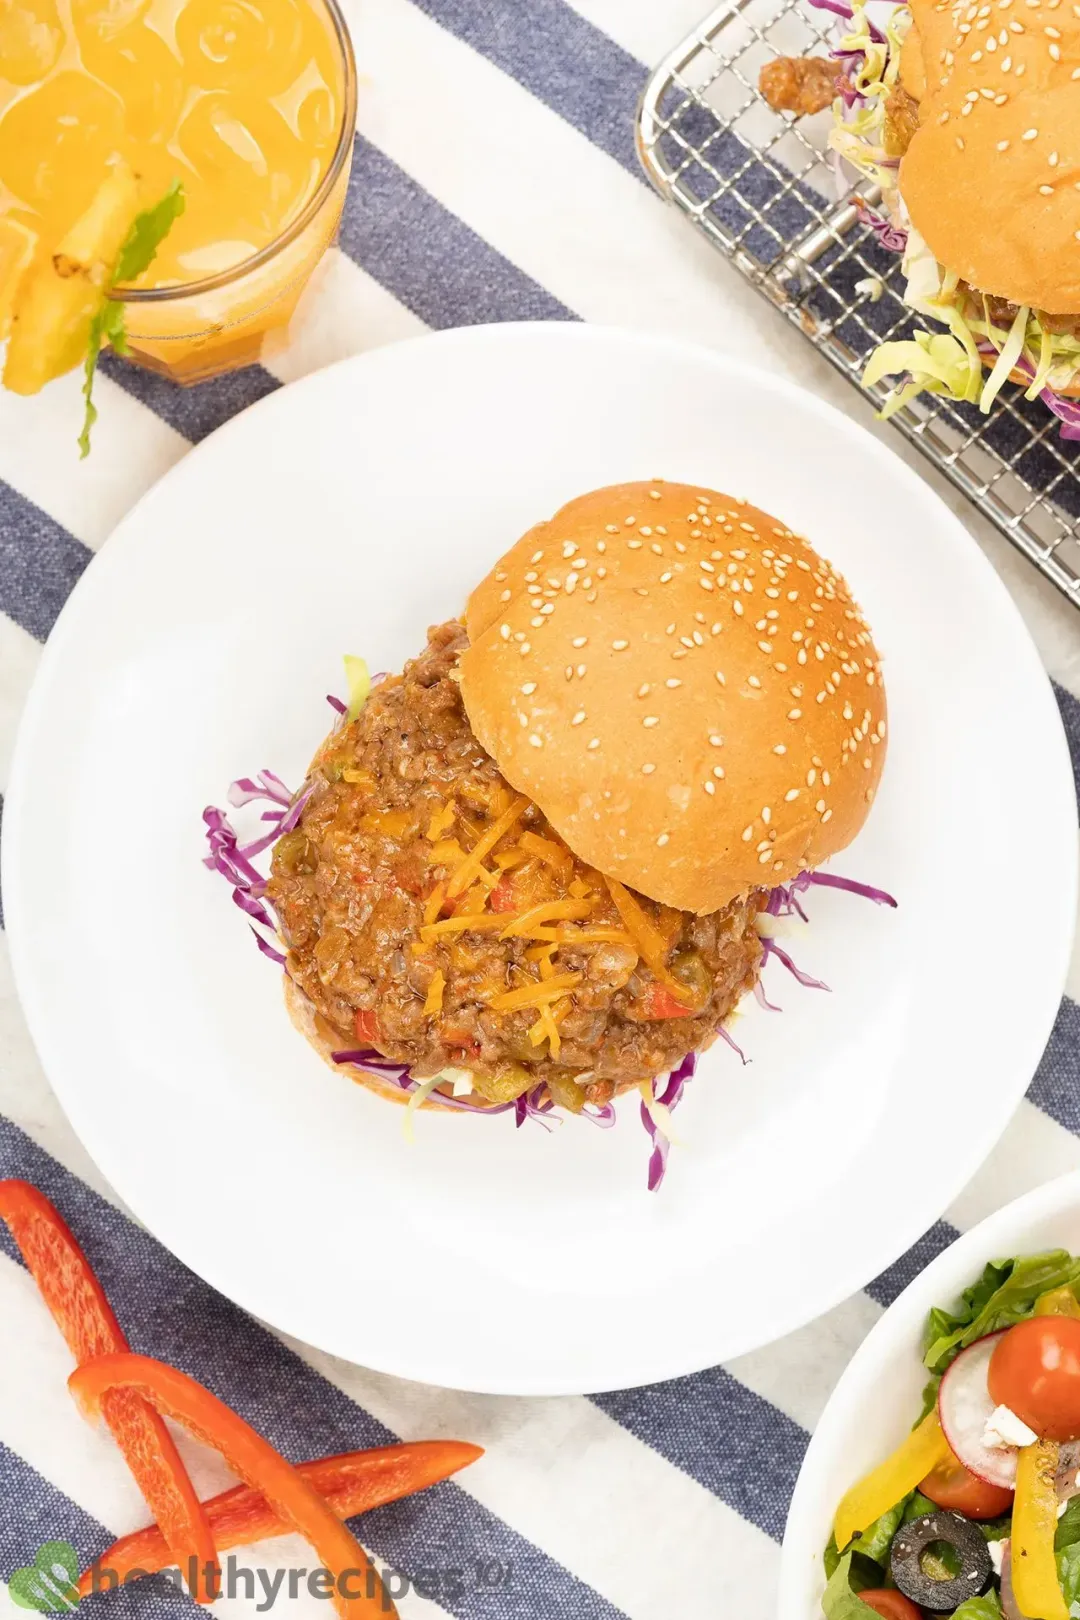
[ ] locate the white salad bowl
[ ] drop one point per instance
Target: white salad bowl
(879, 1396)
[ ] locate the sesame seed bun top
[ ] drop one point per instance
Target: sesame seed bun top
(683, 686)
(991, 177)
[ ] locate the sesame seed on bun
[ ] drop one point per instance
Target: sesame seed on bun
(991, 179)
(684, 687)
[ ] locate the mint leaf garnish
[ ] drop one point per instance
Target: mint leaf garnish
(148, 230)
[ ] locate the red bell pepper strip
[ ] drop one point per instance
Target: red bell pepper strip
(77, 1303)
(357, 1592)
(353, 1482)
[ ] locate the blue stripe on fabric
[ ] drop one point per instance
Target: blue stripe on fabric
(1056, 1086)
(169, 1312)
(39, 563)
(36, 1512)
(1070, 719)
(196, 411)
(565, 61)
(427, 257)
(895, 1278)
(739, 1446)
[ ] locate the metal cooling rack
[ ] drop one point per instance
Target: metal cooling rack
(763, 189)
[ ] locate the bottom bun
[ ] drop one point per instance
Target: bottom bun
(308, 1022)
(326, 1041)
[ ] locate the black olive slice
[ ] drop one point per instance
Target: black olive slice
(972, 1554)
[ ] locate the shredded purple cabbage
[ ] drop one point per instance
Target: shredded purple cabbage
(1067, 411)
(893, 238)
(233, 861)
(668, 1091)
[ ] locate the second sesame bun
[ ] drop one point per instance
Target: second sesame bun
(684, 687)
(991, 177)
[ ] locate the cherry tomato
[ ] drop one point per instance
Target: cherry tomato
(1035, 1370)
(891, 1604)
(951, 1485)
(366, 1026)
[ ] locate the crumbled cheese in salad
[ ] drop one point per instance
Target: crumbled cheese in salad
(1004, 1429)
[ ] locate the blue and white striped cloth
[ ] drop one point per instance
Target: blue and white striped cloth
(494, 179)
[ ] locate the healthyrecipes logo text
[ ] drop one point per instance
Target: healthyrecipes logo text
(49, 1584)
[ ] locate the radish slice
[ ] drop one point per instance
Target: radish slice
(965, 1404)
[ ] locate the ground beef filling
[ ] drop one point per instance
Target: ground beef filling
(799, 84)
(394, 925)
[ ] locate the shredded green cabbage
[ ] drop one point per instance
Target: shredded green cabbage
(416, 1100)
(359, 684)
(952, 364)
(859, 131)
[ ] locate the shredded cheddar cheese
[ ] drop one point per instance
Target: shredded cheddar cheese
(546, 850)
(547, 911)
(434, 903)
(506, 858)
(537, 994)
(441, 821)
(466, 872)
(447, 852)
(434, 1000)
(567, 935)
(484, 921)
(648, 939)
(475, 901)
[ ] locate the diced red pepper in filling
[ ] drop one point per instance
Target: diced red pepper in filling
(501, 897)
(366, 1025)
(658, 1002)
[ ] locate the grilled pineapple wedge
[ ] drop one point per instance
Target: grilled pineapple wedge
(58, 297)
(17, 244)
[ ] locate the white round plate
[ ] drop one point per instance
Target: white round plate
(346, 514)
(873, 1406)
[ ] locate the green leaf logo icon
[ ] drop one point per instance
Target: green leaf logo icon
(49, 1584)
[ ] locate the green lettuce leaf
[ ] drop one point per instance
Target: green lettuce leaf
(929, 1395)
(841, 1600)
(1068, 1529)
(1004, 1294)
(1068, 1565)
(987, 1607)
(876, 1540)
(148, 230)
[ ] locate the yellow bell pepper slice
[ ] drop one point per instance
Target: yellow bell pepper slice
(1034, 1567)
(1059, 1302)
(883, 1487)
(1034, 1522)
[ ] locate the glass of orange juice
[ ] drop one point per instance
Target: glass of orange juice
(250, 104)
